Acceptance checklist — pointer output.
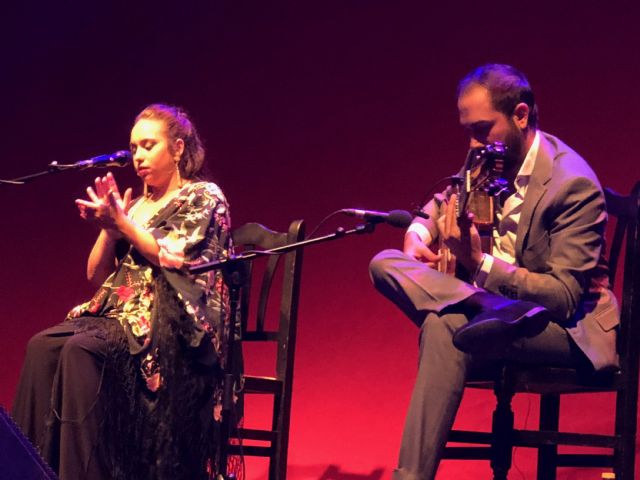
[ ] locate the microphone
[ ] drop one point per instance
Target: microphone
(117, 159)
(395, 218)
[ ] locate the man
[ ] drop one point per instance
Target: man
(542, 295)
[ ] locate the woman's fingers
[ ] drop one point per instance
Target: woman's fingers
(82, 209)
(101, 191)
(87, 204)
(97, 187)
(86, 209)
(111, 184)
(105, 204)
(127, 199)
(115, 195)
(115, 202)
(92, 195)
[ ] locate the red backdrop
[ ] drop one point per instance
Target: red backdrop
(306, 108)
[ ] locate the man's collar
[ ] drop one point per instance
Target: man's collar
(526, 169)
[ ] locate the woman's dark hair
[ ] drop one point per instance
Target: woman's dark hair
(179, 125)
(508, 87)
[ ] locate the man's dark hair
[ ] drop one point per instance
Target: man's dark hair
(508, 87)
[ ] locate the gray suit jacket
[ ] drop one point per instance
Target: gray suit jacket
(559, 252)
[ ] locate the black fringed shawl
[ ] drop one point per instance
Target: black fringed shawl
(170, 433)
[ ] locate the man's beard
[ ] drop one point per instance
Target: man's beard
(515, 143)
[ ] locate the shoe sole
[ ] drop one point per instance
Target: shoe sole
(493, 333)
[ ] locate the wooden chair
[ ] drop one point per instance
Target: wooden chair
(255, 236)
(550, 383)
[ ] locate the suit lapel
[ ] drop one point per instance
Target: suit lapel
(535, 191)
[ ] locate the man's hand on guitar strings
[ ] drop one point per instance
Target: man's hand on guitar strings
(415, 247)
(461, 235)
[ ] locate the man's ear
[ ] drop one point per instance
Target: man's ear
(521, 115)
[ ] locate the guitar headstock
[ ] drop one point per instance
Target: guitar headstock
(490, 158)
(483, 173)
(486, 168)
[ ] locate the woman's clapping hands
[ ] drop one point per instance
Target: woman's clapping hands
(106, 207)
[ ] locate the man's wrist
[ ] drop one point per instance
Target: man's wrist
(483, 270)
(473, 264)
(478, 268)
(420, 231)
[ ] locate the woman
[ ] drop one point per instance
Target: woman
(124, 387)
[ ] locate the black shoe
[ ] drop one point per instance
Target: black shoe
(492, 330)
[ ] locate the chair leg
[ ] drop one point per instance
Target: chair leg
(549, 421)
(502, 427)
(626, 462)
(277, 471)
(624, 455)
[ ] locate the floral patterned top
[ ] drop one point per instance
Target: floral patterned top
(193, 228)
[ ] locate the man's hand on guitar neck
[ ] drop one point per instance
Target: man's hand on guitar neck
(461, 236)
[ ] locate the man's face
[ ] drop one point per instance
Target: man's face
(486, 125)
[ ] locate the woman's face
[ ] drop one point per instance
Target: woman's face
(153, 159)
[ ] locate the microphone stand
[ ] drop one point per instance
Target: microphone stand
(53, 167)
(234, 271)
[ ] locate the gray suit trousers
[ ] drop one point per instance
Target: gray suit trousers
(423, 294)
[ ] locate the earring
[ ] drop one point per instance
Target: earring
(178, 173)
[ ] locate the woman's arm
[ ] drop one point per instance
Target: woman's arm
(141, 239)
(106, 210)
(102, 258)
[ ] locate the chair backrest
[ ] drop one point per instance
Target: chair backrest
(626, 209)
(255, 236)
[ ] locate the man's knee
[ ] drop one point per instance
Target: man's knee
(443, 326)
(380, 264)
(436, 337)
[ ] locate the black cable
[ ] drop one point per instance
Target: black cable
(322, 222)
(426, 197)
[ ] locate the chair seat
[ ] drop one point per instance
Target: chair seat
(551, 380)
(256, 434)
(261, 385)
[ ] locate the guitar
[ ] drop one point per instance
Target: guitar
(477, 190)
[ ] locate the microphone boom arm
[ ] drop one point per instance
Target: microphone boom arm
(117, 159)
(339, 233)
